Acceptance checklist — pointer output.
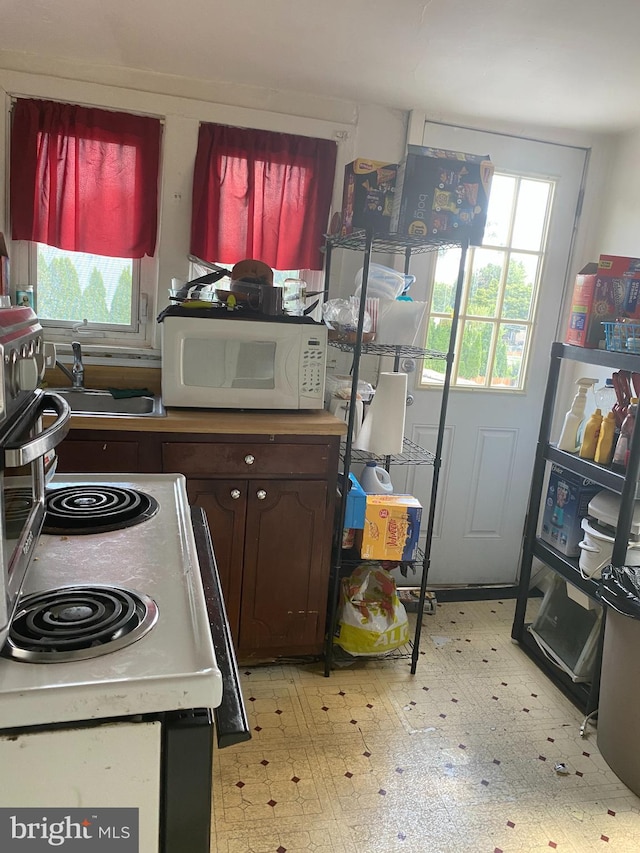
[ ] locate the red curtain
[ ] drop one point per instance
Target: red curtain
(83, 179)
(263, 195)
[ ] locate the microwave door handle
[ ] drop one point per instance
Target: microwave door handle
(17, 454)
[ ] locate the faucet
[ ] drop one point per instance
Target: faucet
(76, 374)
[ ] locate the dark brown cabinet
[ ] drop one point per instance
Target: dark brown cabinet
(271, 527)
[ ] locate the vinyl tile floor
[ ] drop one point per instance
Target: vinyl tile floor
(459, 758)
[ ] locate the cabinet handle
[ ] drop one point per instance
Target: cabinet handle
(235, 494)
(249, 459)
(261, 494)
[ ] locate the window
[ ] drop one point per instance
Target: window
(502, 280)
(84, 187)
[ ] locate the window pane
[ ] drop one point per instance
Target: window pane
(485, 283)
(438, 335)
(496, 232)
(521, 278)
(474, 352)
(445, 280)
(531, 214)
(74, 286)
(510, 349)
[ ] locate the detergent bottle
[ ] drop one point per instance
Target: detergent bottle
(569, 434)
(375, 480)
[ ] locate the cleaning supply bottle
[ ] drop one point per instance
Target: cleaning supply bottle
(606, 396)
(604, 448)
(591, 435)
(375, 480)
(621, 453)
(569, 434)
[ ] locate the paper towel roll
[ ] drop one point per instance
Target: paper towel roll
(382, 431)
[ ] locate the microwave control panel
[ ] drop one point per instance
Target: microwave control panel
(313, 369)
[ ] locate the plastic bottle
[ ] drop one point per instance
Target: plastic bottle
(376, 480)
(591, 435)
(569, 434)
(606, 396)
(621, 453)
(604, 448)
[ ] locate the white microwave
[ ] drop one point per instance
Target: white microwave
(242, 363)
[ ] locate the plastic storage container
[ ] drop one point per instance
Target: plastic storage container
(567, 632)
(384, 282)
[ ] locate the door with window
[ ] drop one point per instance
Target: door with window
(509, 318)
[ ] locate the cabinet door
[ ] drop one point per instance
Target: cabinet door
(225, 505)
(96, 457)
(286, 568)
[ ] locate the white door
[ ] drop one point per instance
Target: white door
(492, 429)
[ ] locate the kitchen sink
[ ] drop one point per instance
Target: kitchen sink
(87, 401)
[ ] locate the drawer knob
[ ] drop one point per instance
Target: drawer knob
(249, 459)
(235, 494)
(261, 494)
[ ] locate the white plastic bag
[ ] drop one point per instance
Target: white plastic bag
(372, 617)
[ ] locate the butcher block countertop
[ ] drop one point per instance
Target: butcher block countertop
(218, 422)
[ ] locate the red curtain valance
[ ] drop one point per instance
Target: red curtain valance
(84, 179)
(264, 195)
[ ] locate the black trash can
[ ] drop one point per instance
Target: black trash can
(619, 705)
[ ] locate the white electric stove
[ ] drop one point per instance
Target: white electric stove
(170, 667)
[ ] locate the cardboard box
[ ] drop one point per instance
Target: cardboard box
(367, 196)
(566, 504)
(442, 194)
(605, 292)
(356, 504)
(391, 528)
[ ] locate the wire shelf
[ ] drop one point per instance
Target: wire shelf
(397, 350)
(399, 244)
(412, 454)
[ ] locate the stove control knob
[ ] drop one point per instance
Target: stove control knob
(249, 459)
(28, 374)
(261, 494)
(235, 494)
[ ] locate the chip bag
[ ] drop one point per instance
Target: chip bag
(372, 617)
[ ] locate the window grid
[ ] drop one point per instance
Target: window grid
(507, 250)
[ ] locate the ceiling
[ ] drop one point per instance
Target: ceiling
(559, 63)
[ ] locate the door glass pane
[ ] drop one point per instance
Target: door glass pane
(496, 232)
(445, 280)
(531, 214)
(474, 352)
(438, 333)
(510, 349)
(485, 283)
(521, 280)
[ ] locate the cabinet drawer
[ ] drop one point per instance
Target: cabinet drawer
(94, 457)
(245, 460)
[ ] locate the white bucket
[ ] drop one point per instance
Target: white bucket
(596, 549)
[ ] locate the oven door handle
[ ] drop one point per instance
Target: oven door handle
(18, 453)
(230, 716)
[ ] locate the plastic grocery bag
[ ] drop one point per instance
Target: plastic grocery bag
(372, 617)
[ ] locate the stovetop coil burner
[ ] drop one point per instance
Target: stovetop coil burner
(95, 509)
(72, 623)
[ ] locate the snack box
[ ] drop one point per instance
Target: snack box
(391, 528)
(442, 194)
(606, 292)
(367, 196)
(566, 504)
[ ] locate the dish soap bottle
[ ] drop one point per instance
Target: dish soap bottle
(591, 435)
(569, 435)
(604, 448)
